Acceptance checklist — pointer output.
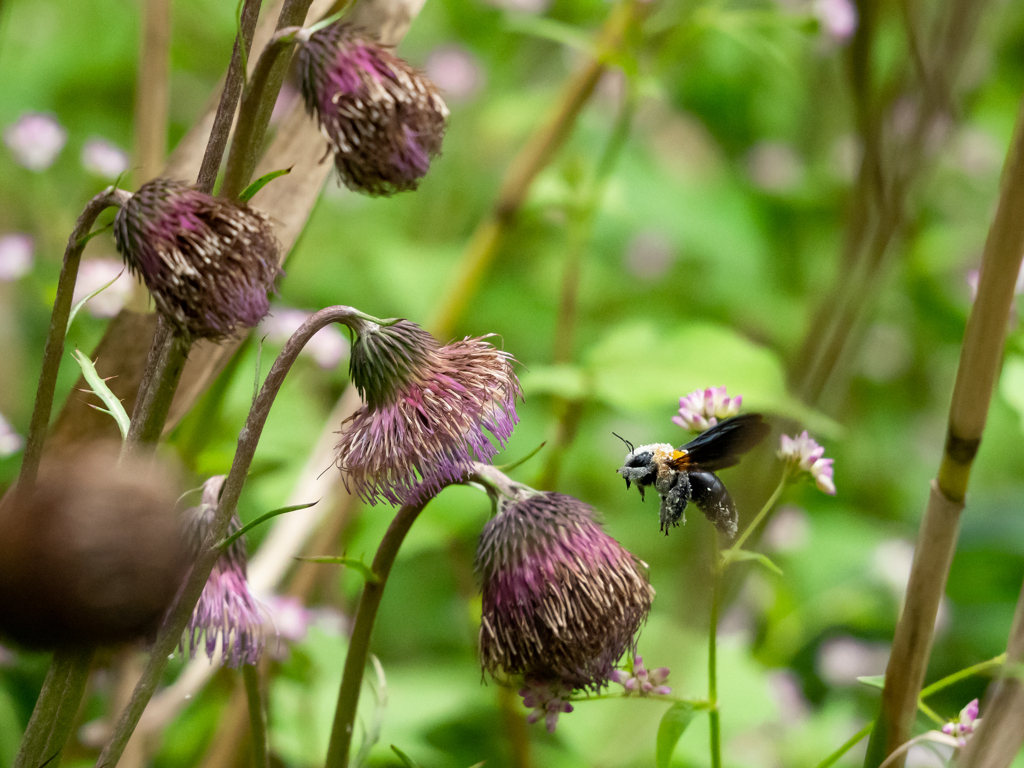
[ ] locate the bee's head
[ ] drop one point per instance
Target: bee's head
(638, 466)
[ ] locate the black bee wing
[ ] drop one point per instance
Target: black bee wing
(722, 445)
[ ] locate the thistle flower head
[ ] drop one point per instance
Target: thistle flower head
(702, 409)
(426, 412)
(226, 612)
(383, 120)
(208, 262)
(803, 454)
(643, 681)
(562, 600)
(95, 554)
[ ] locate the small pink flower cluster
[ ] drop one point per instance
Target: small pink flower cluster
(643, 681)
(547, 699)
(805, 455)
(704, 408)
(964, 725)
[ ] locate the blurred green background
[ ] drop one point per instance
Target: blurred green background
(720, 230)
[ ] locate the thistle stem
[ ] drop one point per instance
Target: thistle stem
(258, 101)
(713, 715)
(229, 97)
(54, 349)
(167, 357)
(257, 715)
(980, 361)
(765, 510)
(362, 629)
(180, 612)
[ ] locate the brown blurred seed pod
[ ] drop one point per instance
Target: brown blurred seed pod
(94, 555)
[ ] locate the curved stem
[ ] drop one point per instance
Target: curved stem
(179, 613)
(359, 645)
(849, 744)
(54, 349)
(229, 97)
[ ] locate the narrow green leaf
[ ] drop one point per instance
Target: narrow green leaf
(99, 386)
(349, 562)
(260, 183)
(874, 681)
(407, 761)
(81, 302)
(228, 541)
(742, 555)
(86, 238)
(673, 723)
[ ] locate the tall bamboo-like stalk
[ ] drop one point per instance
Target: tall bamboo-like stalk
(980, 360)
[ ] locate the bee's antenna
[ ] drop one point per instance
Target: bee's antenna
(628, 444)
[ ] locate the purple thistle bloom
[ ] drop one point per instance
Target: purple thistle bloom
(383, 120)
(643, 681)
(562, 600)
(426, 412)
(226, 611)
(208, 262)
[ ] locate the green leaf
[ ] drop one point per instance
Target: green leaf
(745, 555)
(673, 723)
(874, 681)
(407, 761)
(228, 541)
(349, 562)
(81, 302)
(642, 366)
(261, 182)
(506, 468)
(86, 238)
(99, 386)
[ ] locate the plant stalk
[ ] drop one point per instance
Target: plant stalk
(229, 97)
(180, 612)
(713, 713)
(167, 357)
(152, 91)
(54, 348)
(362, 629)
(258, 101)
(980, 361)
(257, 716)
(765, 510)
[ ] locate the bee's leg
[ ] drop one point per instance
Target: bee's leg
(674, 498)
(711, 498)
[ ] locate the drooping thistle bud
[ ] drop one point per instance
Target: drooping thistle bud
(562, 600)
(426, 412)
(208, 262)
(95, 554)
(383, 120)
(226, 612)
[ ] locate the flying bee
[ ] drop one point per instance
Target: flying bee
(685, 474)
